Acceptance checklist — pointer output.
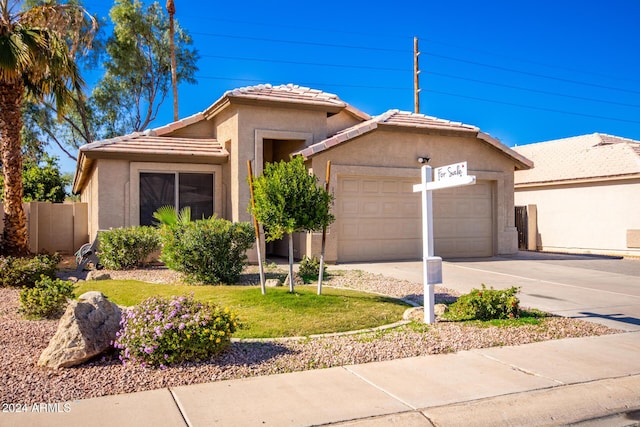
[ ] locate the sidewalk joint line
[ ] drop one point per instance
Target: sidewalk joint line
(524, 371)
(180, 408)
(380, 388)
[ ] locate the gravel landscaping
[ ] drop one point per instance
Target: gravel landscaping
(22, 341)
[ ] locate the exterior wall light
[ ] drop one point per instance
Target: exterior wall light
(424, 159)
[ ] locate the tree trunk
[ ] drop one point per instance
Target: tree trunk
(171, 9)
(291, 281)
(15, 237)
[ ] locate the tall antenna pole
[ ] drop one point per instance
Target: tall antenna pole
(416, 78)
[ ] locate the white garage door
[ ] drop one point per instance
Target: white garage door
(379, 218)
(463, 221)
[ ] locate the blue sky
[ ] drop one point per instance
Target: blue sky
(521, 71)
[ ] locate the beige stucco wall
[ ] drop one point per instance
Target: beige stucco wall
(113, 196)
(387, 152)
(585, 218)
(201, 129)
(340, 121)
(89, 195)
(226, 125)
(255, 124)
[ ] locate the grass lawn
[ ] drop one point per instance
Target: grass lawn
(276, 314)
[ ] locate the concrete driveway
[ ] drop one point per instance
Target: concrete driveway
(599, 289)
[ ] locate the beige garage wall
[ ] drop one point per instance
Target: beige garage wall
(586, 218)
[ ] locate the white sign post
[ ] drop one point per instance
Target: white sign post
(446, 177)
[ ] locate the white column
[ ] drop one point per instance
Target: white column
(427, 244)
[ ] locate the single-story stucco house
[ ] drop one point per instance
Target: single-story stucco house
(583, 194)
(201, 161)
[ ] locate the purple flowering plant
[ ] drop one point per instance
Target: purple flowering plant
(162, 331)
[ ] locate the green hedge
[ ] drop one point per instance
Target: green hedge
(209, 251)
(486, 304)
(25, 272)
(126, 248)
(48, 298)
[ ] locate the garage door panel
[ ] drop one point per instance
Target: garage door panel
(461, 248)
(349, 208)
(368, 230)
(370, 186)
(380, 218)
(390, 187)
(349, 185)
(381, 209)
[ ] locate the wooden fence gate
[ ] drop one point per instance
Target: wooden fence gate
(522, 223)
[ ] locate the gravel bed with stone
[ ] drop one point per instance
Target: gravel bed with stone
(22, 342)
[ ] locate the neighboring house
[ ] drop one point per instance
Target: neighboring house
(201, 161)
(585, 191)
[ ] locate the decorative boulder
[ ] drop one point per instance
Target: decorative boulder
(297, 280)
(97, 275)
(440, 309)
(272, 283)
(86, 329)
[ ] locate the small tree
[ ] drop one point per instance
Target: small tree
(42, 180)
(288, 200)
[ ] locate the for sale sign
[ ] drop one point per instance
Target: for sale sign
(456, 170)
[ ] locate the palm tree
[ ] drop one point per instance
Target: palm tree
(171, 9)
(37, 48)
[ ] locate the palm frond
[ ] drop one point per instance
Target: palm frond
(166, 215)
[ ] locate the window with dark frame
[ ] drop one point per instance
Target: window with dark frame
(178, 189)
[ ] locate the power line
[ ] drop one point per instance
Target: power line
(529, 61)
(531, 107)
(304, 43)
(314, 64)
(528, 73)
(494, 101)
(306, 83)
(407, 51)
(543, 92)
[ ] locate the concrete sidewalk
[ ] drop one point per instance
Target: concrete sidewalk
(587, 381)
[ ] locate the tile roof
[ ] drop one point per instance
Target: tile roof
(405, 118)
(411, 120)
(289, 93)
(579, 158)
(148, 143)
(182, 123)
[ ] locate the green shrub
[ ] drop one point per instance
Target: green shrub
(25, 272)
(161, 331)
(125, 248)
(309, 269)
(485, 304)
(46, 299)
(210, 251)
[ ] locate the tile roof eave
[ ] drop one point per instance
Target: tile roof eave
(173, 126)
(522, 163)
(362, 128)
(583, 180)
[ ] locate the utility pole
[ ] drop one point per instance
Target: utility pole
(416, 78)
(171, 9)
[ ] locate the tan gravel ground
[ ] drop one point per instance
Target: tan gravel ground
(22, 341)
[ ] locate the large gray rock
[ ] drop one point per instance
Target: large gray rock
(86, 329)
(297, 280)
